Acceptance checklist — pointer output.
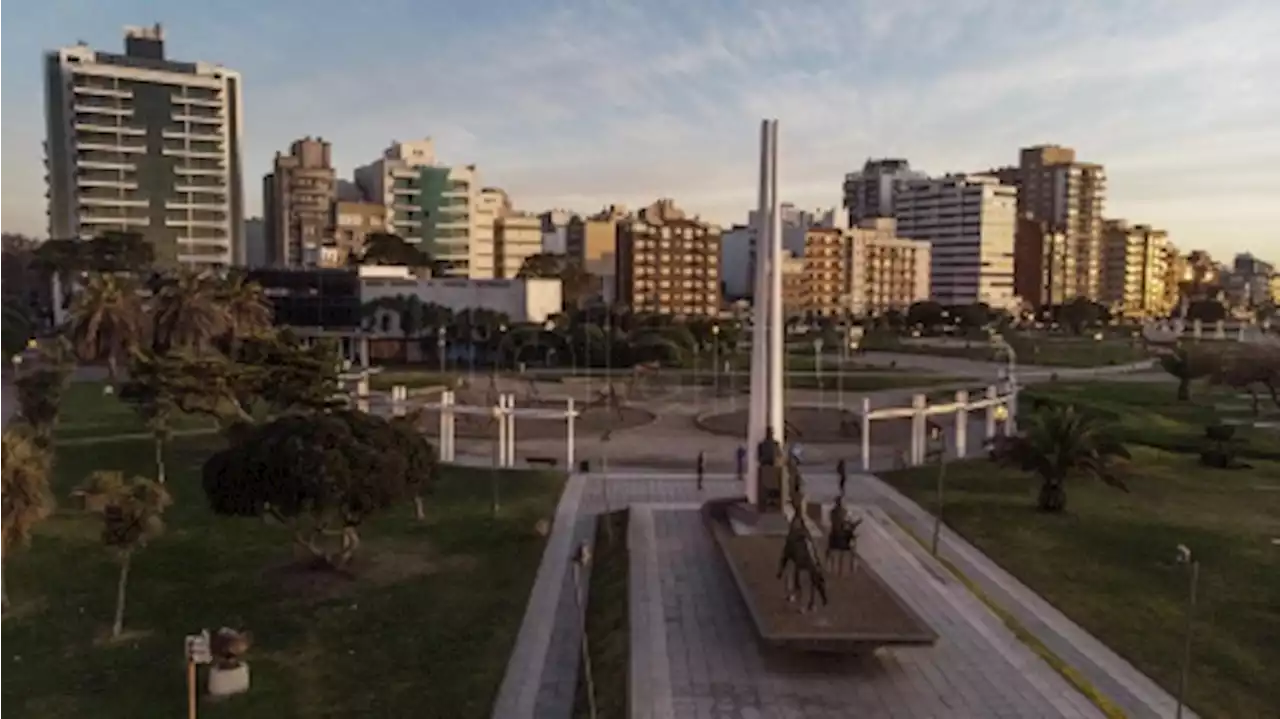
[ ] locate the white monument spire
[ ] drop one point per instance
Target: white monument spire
(765, 409)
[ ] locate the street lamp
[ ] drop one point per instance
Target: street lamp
(715, 365)
(817, 368)
(496, 414)
(1001, 415)
(440, 347)
(937, 450)
(1185, 558)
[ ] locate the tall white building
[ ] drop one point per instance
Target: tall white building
(429, 204)
(970, 221)
(140, 143)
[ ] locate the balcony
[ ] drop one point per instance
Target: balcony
(108, 126)
(115, 219)
(103, 201)
(103, 163)
(81, 89)
(113, 110)
(117, 182)
(216, 170)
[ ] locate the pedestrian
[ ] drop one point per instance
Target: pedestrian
(842, 473)
(796, 451)
(702, 468)
(742, 462)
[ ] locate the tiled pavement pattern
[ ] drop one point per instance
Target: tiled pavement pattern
(705, 663)
(717, 670)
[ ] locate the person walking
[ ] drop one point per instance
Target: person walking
(702, 468)
(742, 462)
(842, 475)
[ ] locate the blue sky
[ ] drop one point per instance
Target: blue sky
(581, 103)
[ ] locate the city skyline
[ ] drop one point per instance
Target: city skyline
(569, 105)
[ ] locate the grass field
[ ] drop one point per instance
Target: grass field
(1042, 350)
(1108, 562)
(422, 627)
(608, 623)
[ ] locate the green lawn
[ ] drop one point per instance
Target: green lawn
(89, 414)
(1107, 563)
(608, 623)
(424, 628)
(1043, 350)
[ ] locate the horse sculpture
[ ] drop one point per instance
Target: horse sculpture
(842, 541)
(798, 550)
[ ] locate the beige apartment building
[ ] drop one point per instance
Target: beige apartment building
(795, 285)
(297, 203)
(593, 241)
(1058, 250)
(668, 262)
(517, 236)
(350, 227)
(1134, 269)
(864, 270)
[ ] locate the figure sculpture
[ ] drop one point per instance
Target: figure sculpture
(799, 552)
(768, 456)
(842, 539)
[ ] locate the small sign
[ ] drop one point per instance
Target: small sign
(197, 648)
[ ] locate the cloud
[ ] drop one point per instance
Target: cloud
(582, 104)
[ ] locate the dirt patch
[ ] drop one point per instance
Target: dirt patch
(128, 636)
(307, 578)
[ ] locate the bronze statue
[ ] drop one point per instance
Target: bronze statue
(842, 539)
(768, 451)
(798, 550)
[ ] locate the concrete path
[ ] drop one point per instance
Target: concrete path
(694, 653)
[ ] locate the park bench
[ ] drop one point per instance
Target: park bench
(541, 461)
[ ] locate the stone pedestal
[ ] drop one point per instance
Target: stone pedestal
(226, 682)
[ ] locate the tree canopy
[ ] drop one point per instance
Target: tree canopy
(323, 474)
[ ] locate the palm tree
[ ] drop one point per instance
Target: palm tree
(1187, 365)
(248, 313)
(107, 320)
(131, 512)
(27, 499)
(187, 313)
(1058, 442)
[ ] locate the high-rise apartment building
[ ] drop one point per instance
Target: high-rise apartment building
(1175, 268)
(593, 241)
(669, 262)
(1060, 201)
(141, 143)
(297, 203)
(864, 270)
(1134, 269)
(555, 231)
(870, 192)
(350, 227)
(428, 204)
(969, 223)
(517, 237)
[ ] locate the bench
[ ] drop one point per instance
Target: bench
(541, 461)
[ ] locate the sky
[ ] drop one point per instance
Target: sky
(583, 103)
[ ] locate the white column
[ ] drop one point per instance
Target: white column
(362, 394)
(1240, 333)
(866, 434)
(363, 343)
(1011, 424)
(511, 430)
(501, 429)
(991, 412)
(571, 427)
(398, 396)
(962, 423)
(757, 400)
(917, 429)
(452, 418)
(777, 340)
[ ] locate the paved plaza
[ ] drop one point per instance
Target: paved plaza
(694, 652)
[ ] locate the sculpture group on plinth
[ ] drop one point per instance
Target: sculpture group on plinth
(801, 555)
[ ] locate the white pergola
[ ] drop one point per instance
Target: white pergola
(505, 413)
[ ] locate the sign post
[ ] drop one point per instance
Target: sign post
(197, 652)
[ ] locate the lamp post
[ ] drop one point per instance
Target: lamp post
(817, 369)
(493, 470)
(1001, 414)
(440, 348)
(1185, 558)
(937, 450)
(715, 365)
